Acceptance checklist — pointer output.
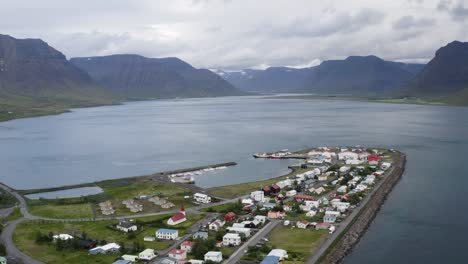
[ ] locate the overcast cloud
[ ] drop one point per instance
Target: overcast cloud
(235, 34)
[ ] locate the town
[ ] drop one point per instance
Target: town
(282, 221)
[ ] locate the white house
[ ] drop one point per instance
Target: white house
(62, 237)
(106, 249)
(330, 216)
(187, 246)
(360, 187)
(346, 155)
(260, 218)
(164, 233)
(311, 213)
(240, 230)
(322, 177)
(131, 258)
(202, 198)
(291, 193)
(312, 204)
(344, 169)
(231, 239)
(342, 189)
(215, 256)
(147, 254)
(385, 165)
(302, 224)
(126, 226)
(354, 162)
(257, 196)
(319, 190)
(216, 224)
(341, 206)
(247, 201)
(280, 253)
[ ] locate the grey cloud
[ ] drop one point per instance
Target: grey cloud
(456, 9)
(408, 22)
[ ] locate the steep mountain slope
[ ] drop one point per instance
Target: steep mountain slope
(271, 80)
(35, 75)
(358, 75)
(445, 74)
(138, 77)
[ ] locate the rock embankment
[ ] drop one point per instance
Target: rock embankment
(365, 217)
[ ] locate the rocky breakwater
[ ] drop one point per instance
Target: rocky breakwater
(344, 244)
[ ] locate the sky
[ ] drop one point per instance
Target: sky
(238, 34)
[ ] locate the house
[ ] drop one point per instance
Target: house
(257, 196)
(260, 218)
(196, 261)
(323, 225)
(178, 254)
(86, 243)
(373, 158)
(147, 254)
(385, 165)
(126, 226)
(106, 249)
(202, 198)
(247, 201)
(230, 217)
(341, 206)
(354, 162)
(276, 215)
(167, 260)
(319, 190)
(345, 169)
(119, 261)
(215, 256)
(3, 260)
(311, 213)
(270, 260)
(280, 253)
(269, 205)
(178, 218)
(330, 216)
(342, 189)
(266, 190)
(322, 177)
(288, 208)
(131, 258)
(346, 155)
(291, 193)
(312, 204)
(231, 239)
(187, 246)
(200, 235)
(275, 189)
(216, 224)
(302, 197)
(164, 233)
(240, 230)
(149, 238)
(302, 224)
(62, 237)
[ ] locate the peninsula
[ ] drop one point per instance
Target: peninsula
(314, 214)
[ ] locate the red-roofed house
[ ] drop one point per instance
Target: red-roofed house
(178, 254)
(323, 225)
(266, 190)
(302, 197)
(187, 246)
(177, 218)
(275, 188)
(373, 159)
(230, 217)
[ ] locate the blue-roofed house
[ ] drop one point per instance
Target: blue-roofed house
(270, 260)
(200, 234)
(165, 233)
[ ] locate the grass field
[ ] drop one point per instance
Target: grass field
(62, 211)
(230, 191)
(299, 243)
(15, 214)
(24, 237)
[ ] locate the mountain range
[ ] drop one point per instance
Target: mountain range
(136, 77)
(356, 75)
(37, 79)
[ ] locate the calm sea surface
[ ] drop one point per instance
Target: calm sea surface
(424, 220)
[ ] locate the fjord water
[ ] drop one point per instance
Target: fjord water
(424, 219)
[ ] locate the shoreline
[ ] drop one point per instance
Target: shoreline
(334, 250)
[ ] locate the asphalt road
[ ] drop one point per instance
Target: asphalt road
(237, 255)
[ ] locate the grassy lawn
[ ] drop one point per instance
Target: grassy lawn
(15, 214)
(230, 191)
(299, 243)
(25, 235)
(62, 211)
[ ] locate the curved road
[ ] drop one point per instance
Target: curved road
(7, 235)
